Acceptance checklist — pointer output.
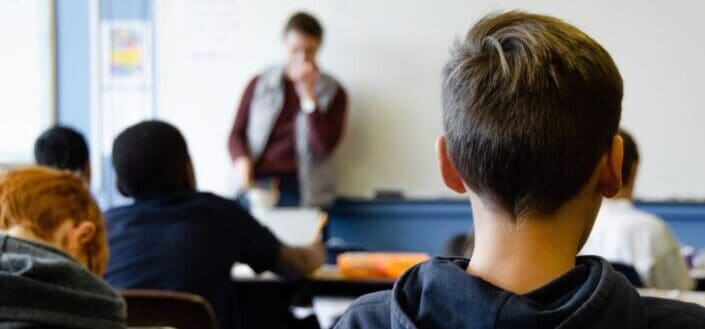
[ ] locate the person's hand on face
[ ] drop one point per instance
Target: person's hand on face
(306, 75)
(301, 68)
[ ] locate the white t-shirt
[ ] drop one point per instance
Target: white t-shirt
(624, 234)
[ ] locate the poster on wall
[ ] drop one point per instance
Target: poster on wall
(127, 54)
(126, 92)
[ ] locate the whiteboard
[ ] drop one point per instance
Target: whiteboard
(26, 78)
(389, 54)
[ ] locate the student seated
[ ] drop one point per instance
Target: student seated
(624, 234)
(53, 249)
(531, 107)
(64, 148)
(176, 238)
(460, 245)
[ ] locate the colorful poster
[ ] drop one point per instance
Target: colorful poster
(127, 54)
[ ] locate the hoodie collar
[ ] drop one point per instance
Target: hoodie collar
(41, 285)
(440, 294)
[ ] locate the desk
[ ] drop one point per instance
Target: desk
(264, 301)
(684, 296)
(698, 275)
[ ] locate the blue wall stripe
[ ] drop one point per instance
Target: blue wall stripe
(73, 64)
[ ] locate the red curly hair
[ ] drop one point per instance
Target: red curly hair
(40, 199)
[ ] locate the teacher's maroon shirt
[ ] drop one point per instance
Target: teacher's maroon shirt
(279, 156)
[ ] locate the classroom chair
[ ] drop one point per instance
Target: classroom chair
(157, 308)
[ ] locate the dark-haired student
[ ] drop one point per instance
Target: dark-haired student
(624, 234)
(64, 148)
(175, 238)
(289, 122)
(531, 107)
(460, 245)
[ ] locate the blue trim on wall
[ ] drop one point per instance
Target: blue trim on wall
(427, 225)
(420, 225)
(73, 64)
(73, 75)
(126, 10)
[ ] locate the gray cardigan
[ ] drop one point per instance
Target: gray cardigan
(41, 287)
(316, 171)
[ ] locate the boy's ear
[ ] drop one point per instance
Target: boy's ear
(611, 169)
(84, 232)
(450, 175)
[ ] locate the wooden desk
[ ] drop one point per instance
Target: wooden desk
(264, 301)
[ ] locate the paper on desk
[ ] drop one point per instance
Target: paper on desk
(293, 226)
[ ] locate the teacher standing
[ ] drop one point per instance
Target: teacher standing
(289, 122)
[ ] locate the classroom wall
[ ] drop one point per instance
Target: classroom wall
(80, 95)
(74, 54)
(73, 95)
(389, 54)
(378, 151)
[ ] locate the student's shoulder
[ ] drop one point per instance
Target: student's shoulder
(119, 212)
(221, 207)
(369, 311)
(666, 313)
(211, 197)
(646, 220)
(214, 199)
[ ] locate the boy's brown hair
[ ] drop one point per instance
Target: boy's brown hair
(530, 104)
(306, 24)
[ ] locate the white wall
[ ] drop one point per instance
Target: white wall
(389, 53)
(26, 79)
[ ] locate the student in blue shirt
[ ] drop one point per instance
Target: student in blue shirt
(175, 238)
(531, 107)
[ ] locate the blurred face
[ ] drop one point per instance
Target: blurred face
(300, 48)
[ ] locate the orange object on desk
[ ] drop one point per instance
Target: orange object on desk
(377, 265)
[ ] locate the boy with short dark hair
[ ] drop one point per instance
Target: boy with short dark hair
(174, 237)
(531, 107)
(63, 148)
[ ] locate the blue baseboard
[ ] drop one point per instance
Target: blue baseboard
(427, 225)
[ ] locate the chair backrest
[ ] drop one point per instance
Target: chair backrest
(158, 308)
(630, 273)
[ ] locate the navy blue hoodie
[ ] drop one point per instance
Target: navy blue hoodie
(440, 294)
